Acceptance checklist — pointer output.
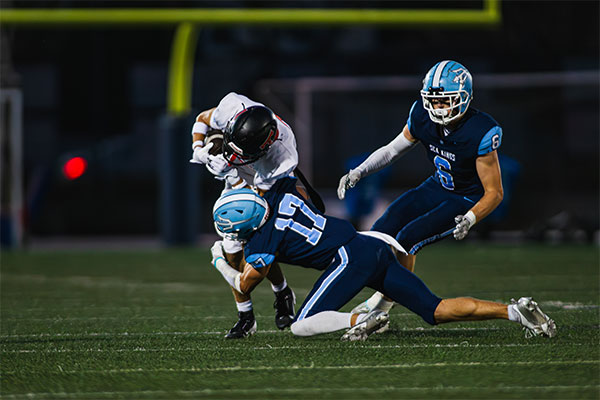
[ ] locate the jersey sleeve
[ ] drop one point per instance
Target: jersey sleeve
(228, 107)
(409, 122)
(491, 141)
(260, 260)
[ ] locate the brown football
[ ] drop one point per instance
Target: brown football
(214, 136)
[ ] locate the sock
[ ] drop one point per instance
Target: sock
(374, 300)
(378, 302)
(385, 305)
(513, 314)
(245, 306)
(323, 322)
(280, 287)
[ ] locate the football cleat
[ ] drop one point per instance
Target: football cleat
(374, 321)
(284, 307)
(244, 327)
(535, 322)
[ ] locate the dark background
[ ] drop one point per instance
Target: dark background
(101, 93)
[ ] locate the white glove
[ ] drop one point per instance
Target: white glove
(201, 154)
(348, 181)
(217, 165)
(463, 224)
(217, 251)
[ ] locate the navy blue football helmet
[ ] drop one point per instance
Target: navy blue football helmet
(239, 213)
(450, 82)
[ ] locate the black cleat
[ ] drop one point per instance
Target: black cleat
(245, 326)
(284, 307)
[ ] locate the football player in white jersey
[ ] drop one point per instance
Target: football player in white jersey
(258, 149)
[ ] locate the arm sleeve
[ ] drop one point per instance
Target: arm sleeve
(385, 155)
(231, 275)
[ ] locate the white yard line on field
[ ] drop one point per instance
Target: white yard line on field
(462, 345)
(317, 367)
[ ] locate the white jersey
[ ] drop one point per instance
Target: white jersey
(281, 158)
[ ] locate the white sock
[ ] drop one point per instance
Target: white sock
(385, 305)
(323, 322)
(280, 287)
(513, 314)
(378, 302)
(245, 306)
(374, 300)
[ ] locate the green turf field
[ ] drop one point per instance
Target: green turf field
(147, 325)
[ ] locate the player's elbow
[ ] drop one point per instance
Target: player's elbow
(499, 195)
(495, 196)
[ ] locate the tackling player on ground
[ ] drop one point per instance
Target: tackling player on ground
(462, 144)
(258, 149)
(282, 226)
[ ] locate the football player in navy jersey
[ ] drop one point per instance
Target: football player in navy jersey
(282, 226)
(461, 142)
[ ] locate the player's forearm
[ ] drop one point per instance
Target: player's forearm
(231, 275)
(488, 203)
(243, 282)
(200, 127)
(385, 155)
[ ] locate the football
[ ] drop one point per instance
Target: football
(215, 136)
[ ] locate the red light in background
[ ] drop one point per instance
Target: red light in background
(74, 167)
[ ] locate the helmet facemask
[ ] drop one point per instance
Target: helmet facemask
(459, 103)
(236, 158)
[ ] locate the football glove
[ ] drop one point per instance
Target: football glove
(201, 154)
(217, 165)
(463, 224)
(348, 181)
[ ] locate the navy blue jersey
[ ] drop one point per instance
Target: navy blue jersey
(454, 155)
(296, 232)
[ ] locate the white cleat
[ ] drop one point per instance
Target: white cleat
(374, 321)
(533, 319)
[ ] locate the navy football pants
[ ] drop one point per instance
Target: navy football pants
(368, 262)
(423, 215)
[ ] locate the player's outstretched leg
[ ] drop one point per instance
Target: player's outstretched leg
(525, 312)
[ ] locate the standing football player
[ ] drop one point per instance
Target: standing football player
(282, 226)
(462, 144)
(258, 149)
